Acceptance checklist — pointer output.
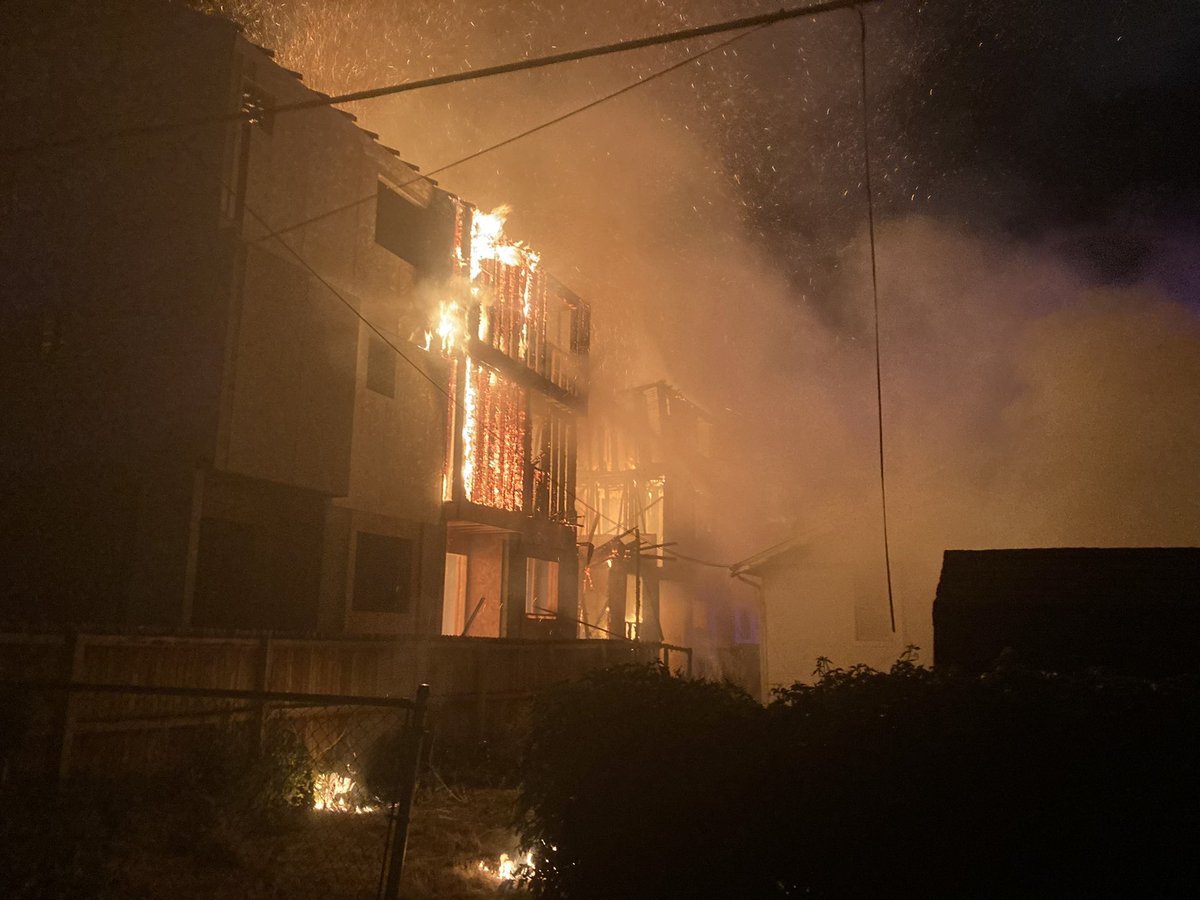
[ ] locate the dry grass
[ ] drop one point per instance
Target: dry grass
(451, 836)
(165, 850)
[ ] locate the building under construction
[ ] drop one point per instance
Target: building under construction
(647, 486)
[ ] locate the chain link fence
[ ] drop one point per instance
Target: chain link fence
(129, 791)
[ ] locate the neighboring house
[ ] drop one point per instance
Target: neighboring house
(820, 601)
(646, 479)
(1130, 610)
(202, 424)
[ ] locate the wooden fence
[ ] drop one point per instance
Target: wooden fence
(474, 680)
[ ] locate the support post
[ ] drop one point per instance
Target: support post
(262, 683)
(637, 584)
(410, 767)
(481, 685)
(72, 663)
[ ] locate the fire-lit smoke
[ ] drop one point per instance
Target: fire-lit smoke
(1024, 403)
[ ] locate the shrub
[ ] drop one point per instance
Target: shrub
(279, 782)
(908, 783)
(1010, 784)
(629, 767)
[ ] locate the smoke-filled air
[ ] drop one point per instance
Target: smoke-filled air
(1037, 286)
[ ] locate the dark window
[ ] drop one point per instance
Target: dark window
(383, 571)
(381, 367)
(227, 572)
(422, 236)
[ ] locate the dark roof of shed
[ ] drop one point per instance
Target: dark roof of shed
(1070, 575)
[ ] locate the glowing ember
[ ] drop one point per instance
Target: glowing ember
(487, 242)
(333, 792)
(509, 868)
(507, 291)
(452, 326)
(486, 231)
(506, 282)
(484, 318)
(468, 433)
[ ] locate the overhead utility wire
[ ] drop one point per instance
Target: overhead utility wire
(870, 196)
(690, 58)
(866, 139)
(655, 40)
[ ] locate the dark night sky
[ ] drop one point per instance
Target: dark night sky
(1020, 117)
(1093, 103)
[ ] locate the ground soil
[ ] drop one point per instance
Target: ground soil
(181, 854)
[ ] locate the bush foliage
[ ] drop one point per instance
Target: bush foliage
(628, 767)
(907, 783)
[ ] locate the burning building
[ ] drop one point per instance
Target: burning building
(648, 486)
(517, 344)
(257, 371)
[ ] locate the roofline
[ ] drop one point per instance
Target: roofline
(758, 560)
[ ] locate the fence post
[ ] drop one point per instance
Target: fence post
(72, 662)
(481, 686)
(411, 764)
(262, 683)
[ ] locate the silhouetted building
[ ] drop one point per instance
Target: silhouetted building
(1131, 610)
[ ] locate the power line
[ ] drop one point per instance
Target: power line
(324, 100)
(690, 58)
(887, 555)
(350, 306)
(671, 37)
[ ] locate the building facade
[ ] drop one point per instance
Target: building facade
(648, 478)
(517, 343)
(820, 602)
(238, 385)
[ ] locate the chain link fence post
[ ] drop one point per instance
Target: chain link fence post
(409, 773)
